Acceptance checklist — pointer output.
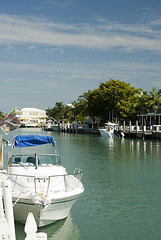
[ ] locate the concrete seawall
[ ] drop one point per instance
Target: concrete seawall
(146, 135)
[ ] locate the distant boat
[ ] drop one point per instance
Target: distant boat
(31, 124)
(40, 184)
(111, 130)
(55, 127)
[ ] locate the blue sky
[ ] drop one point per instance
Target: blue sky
(55, 50)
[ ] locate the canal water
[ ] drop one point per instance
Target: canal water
(122, 180)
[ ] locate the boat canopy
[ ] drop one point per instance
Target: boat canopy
(32, 140)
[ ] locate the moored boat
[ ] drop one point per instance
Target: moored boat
(40, 184)
(111, 130)
(55, 127)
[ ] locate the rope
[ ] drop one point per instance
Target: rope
(42, 189)
(18, 198)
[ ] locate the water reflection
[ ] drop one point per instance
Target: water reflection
(122, 189)
(63, 229)
(131, 149)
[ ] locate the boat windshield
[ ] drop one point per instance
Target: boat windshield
(110, 126)
(29, 150)
(35, 159)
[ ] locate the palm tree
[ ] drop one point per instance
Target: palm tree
(57, 112)
(143, 105)
(155, 100)
(80, 107)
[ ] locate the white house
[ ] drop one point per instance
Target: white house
(31, 117)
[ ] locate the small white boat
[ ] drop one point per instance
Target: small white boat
(55, 127)
(111, 130)
(40, 184)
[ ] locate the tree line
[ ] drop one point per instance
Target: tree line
(113, 100)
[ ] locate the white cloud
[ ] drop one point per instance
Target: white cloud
(101, 36)
(31, 47)
(87, 75)
(66, 81)
(9, 47)
(139, 29)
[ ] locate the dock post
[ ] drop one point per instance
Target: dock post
(4, 229)
(129, 126)
(124, 126)
(31, 229)
(69, 127)
(9, 208)
(136, 126)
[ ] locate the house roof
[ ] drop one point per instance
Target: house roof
(31, 110)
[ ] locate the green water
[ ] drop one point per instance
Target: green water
(122, 180)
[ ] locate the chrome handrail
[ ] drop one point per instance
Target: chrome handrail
(77, 173)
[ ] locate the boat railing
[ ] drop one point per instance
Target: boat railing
(45, 183)
(78, 173)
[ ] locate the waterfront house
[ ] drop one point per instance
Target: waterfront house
(31, 117)
(151, 118)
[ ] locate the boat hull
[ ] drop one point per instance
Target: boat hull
(105, 133)
(43, 214)
(48, 198)
(55, 128)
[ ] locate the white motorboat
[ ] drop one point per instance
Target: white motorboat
(40, 184)
(55, 127)
(111, 130)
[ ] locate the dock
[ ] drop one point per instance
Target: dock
(130, 131)
(143, 135)
(73, 128)
(144, 132)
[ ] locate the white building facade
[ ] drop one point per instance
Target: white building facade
(31, 117)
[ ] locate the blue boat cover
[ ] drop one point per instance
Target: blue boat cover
(32, 140)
